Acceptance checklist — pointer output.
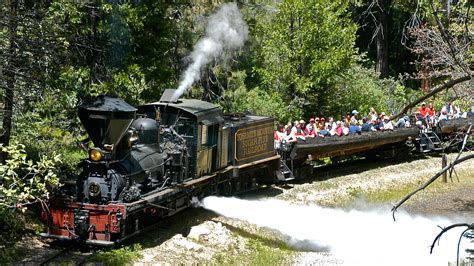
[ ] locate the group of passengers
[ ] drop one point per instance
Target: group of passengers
(424, 117)
(350, 124)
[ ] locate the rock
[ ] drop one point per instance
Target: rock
(198, 232)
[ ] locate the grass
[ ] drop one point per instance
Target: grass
(267, 255)
(122, 256)
(396, 193)
(262, 247)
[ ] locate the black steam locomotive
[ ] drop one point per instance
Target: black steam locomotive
(152, 161)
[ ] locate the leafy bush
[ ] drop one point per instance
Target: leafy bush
(10, 231)
(23, 181)
(50, 127)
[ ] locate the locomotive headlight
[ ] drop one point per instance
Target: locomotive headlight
(95, 155)
(94, 189)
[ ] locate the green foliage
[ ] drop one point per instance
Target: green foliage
(359, 88)
(266, 255)
(24, 181)
(50, 128)
(127, 84)
(259, 102)
(122, 256)
(304, 47)
(11, 229)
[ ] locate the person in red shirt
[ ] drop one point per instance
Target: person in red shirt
(431, 114)
(339, 128)
(300, 134)
(431, 110)
(423, 110)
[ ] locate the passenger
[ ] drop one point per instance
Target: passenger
(449, 108)
(310, 130)
(354, 118)
(323, 132)
(443, 116)
(420, 120)
(338, 129)
(354, 129)
(423, 110)
(378, 124)
(471, 112)
(367, 126)
(431, 110)
(316, 125)
(387, 124)
(296, 124)
(288, 128)
(403, 122)
(303, 125)
(332, 126)
(279, 136)
(347, 119)
(345, 129)
(300, 134)
(372, 114)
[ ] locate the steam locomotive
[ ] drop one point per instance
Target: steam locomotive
(149, 162)
(154, 160)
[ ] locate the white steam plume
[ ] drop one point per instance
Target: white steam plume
(354, 237)
(226, 30)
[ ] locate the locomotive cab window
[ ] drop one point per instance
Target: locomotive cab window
(209, 135)
(204, 138)
(185, 127)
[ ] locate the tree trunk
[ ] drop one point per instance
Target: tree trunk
(9, 73)
(382, 37)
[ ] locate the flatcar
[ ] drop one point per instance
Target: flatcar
(151, 161)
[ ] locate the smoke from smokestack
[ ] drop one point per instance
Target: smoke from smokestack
(226, 30)
(355, 237)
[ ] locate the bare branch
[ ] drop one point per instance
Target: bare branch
(439, 88)
(431, 180)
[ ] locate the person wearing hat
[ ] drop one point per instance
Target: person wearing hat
(302, 125)
(354, 119)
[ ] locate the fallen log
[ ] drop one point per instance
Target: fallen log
(346, 145)
(455, 125)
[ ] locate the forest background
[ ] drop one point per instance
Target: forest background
(303, 58)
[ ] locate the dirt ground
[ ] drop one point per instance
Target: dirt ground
(199, 236)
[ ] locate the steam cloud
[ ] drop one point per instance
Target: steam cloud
(226, 30)
(353, 237)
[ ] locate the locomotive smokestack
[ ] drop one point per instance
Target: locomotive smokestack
(106, 119)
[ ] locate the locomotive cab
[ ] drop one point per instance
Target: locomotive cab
(199, 124)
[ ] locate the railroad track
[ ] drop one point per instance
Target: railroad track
(65, 256)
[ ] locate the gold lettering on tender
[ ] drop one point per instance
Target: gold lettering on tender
(255, 141)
